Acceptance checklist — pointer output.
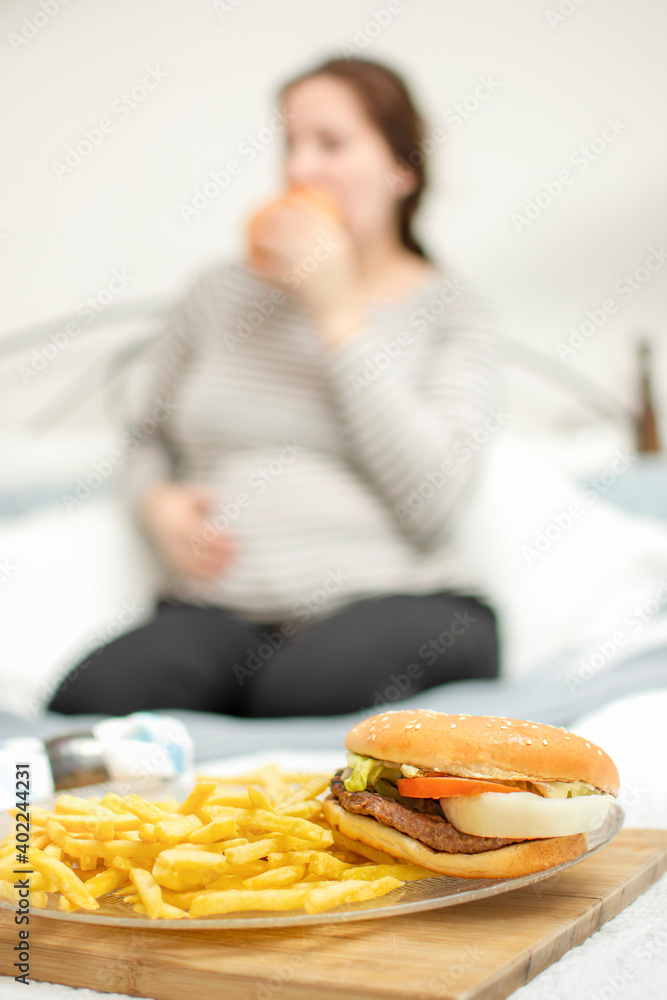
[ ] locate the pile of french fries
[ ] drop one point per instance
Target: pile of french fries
(252, 842)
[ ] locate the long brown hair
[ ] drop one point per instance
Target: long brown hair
(387, 102)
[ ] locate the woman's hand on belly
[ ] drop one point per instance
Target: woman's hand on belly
(174, 515)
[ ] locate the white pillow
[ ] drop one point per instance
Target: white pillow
(565, 572)
(71, 581)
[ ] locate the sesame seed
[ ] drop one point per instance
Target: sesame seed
(600, 752)
(418, 725)
(453, 725)
(567, 737)
(386, 727)
(489, 724)
(588, 744)
(529, 742)
(545, 743)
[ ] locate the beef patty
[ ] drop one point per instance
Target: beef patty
(433, 831)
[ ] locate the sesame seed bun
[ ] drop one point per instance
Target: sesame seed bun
(367, 837)
(483, 746)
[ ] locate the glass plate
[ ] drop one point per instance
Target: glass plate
(412, 897)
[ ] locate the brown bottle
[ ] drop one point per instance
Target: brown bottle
(647, 436)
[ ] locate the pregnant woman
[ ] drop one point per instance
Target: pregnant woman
(309, 464)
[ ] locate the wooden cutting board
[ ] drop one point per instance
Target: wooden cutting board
(482, 950)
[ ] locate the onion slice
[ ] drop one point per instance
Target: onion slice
(525, 815)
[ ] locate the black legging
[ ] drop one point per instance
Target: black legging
(371, 652)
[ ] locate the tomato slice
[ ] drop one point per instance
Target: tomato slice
(441, 787)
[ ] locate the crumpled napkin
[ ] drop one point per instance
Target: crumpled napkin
(133, 747)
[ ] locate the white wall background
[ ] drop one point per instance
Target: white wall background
(560, 69)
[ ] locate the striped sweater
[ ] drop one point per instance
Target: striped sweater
(340, 471)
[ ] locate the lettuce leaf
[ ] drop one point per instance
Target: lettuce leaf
(366, 771)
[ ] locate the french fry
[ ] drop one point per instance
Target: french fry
(98, 885)
(261, 819)
(230, 900)
(276, 877)
(251, 852)
(230, 798)
(127, 864)
(173, 829)
(326, 865)
(147, 812)
(184, 859)
(218, 828)
(259, 799)
(149, 891)
(197, 797)
(406, 873)
(348, 891)
(79, 806)
(169, 912)
(308, 790)
(258, 841)
(67, 882)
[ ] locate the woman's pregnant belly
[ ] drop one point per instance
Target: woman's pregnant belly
(308, 530)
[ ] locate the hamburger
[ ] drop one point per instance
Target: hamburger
(319, 198)
(469, 796)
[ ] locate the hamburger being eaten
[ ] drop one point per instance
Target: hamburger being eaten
(470, 796)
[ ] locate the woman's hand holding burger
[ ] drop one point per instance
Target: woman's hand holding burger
(174, 515)
(299, 241)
